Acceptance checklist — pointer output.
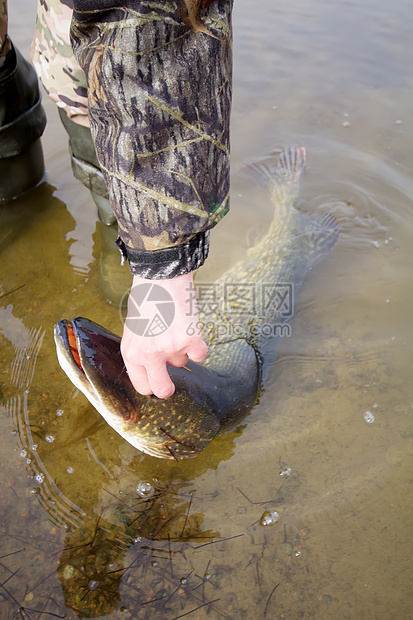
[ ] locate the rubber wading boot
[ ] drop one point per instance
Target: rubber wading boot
(22, 122)
(86, 168)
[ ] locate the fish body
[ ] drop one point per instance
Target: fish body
(216, 394)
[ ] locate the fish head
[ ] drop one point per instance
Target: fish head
(174, 428)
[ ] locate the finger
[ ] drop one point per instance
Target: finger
(139, 379)
(178, 360)
(160, 381)
(198, 353)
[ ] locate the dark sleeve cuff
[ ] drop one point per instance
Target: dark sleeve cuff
(169, 262)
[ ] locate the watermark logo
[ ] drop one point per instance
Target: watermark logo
(239, 330)
(243, 300)
(151, 310)
(224, 309)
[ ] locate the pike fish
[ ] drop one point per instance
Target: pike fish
(213, 396)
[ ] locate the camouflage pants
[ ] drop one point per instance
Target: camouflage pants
(155, 83)
(53, 59)
(4, 41)
(3, 21)
(52, 56)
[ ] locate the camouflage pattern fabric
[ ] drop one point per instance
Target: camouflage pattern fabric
(53, 59)
(3, 22)
(159, 107)
(5, 44)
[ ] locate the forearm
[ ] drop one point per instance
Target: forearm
(159, 105)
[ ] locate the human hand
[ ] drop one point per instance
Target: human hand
(158, 330)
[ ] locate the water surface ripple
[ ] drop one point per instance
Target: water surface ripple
(329, 446)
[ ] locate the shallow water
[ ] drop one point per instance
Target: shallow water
(328, 447)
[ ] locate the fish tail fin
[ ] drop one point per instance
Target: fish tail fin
(320, 238)
(281, 177)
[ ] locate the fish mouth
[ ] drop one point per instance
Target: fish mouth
(77, 353)
(88, 352)
(68, 353)
(174, 428)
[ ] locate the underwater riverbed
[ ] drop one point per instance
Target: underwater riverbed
(90, 527)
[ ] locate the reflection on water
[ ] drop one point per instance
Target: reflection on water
(328, 447)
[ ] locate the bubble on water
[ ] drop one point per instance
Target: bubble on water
(369, 417)
(28, 461)
(49, 438)
(285, 472)
(145, 490)
(346, 124)
(183, 580)
(346, 114)
(375, 405)
(34, 447)
(59, 412)
(297, 553)
(113, 566)
(274, 107)
(70, 470)
(23, 453)
(92, 585)
(39, 478)
(154, 563)
(270, 517)
(398, 122)
(137, 539)
(376, 244)
(387, 301)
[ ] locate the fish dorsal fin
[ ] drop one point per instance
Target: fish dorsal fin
(281, 177)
